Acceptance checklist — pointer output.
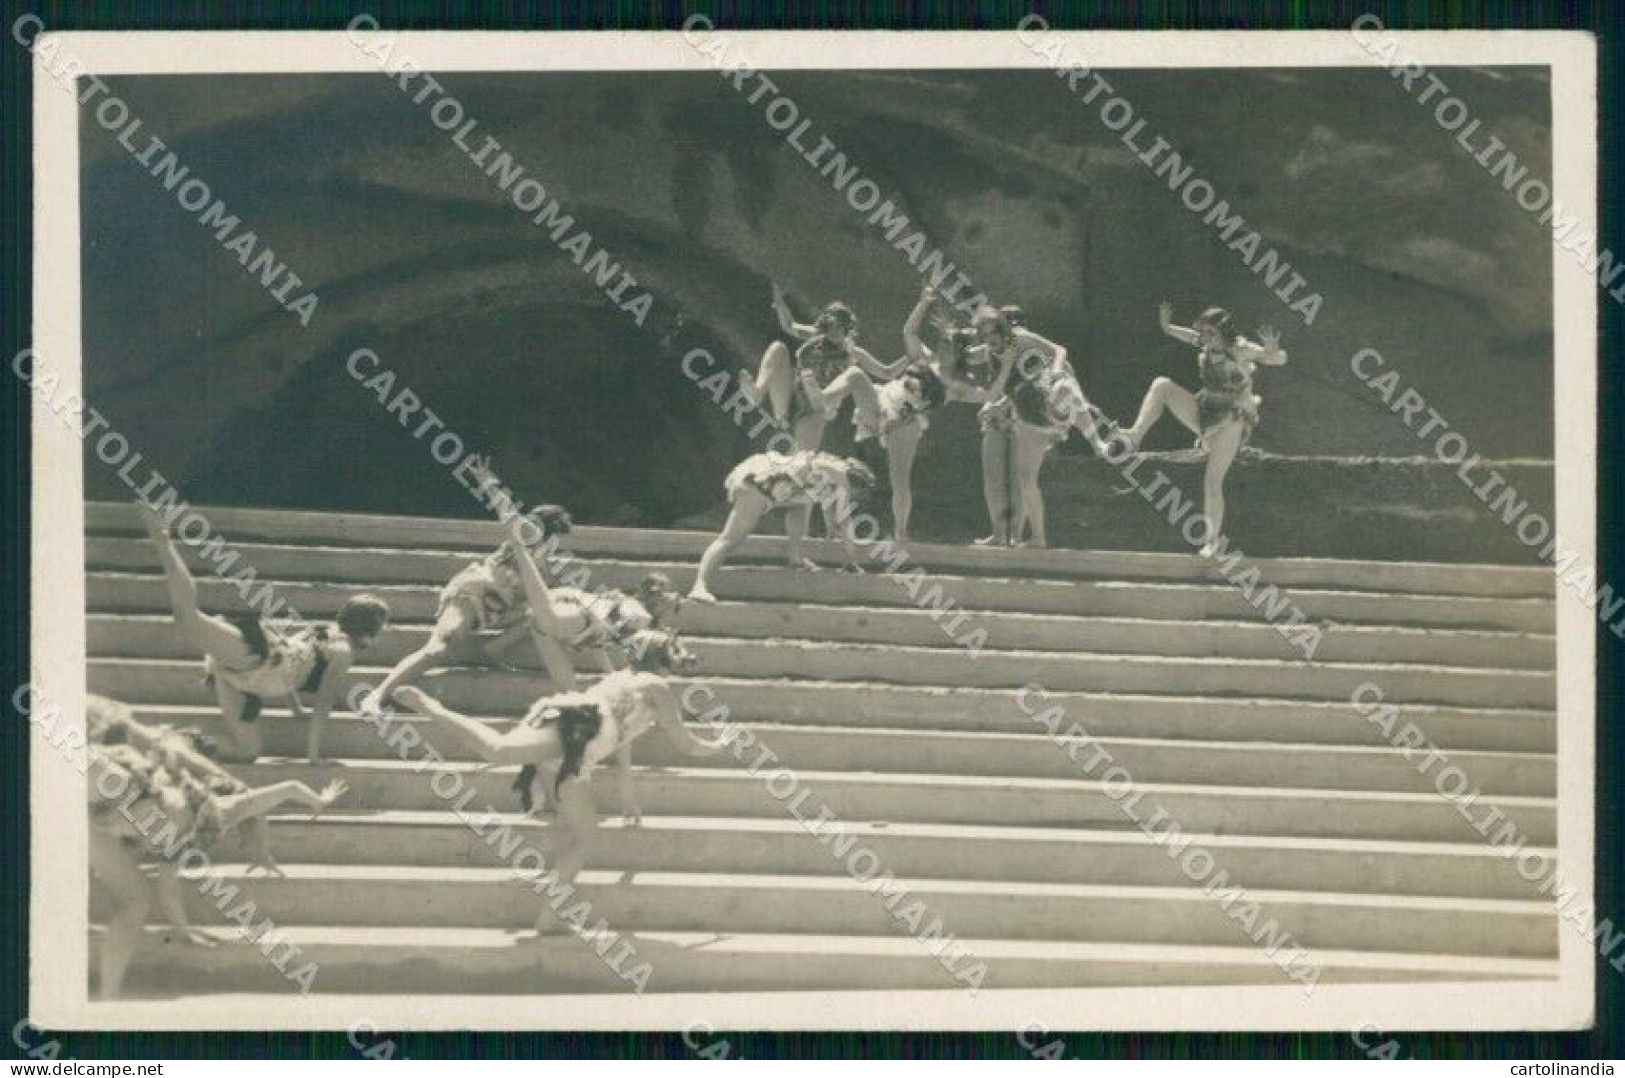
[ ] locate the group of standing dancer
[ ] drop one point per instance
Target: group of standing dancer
(1030, 400)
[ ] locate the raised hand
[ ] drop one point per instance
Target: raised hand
(1165, 312)
(1269, 337)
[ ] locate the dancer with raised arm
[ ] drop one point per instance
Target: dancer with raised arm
(483, 605)
(806, 390)
(795, 483)
(957, 370)
(1223, 412)
(1043, 401)
(250, 660)
(576, 732)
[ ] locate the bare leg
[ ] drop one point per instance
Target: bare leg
(499, 648)
(521, 744)
(996, 451)
(902, 443)
(572, 837)
(796, 519)
(213, 636)
(1167, 394)
(1223, 442)
(856, 384)
(119, 871)
(455, 625)
(775, 379)
(809, 432)
(747, 512)
(1031, 449)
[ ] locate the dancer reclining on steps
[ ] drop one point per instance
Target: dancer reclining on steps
(249, 660)
(576, 732)
(154, 794)
(795, 483)
(482, 609)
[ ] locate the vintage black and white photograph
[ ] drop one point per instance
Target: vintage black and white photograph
(703, 530)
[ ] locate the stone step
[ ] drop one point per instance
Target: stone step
(156, 637)
(500, 963)
(484, 692)
(381, 785)
(366, 896)
(905, 625)
(784, 847)
(369, 530)
(943, 596)
(993, 754)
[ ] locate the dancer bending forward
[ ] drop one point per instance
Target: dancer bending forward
(1223, 412)
(795, 483)
(249, 660)
(1042, 402)
(576, 732)
(958, 369)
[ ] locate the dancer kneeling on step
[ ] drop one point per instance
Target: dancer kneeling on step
(795, 483)
(576, 732)
(249, 660)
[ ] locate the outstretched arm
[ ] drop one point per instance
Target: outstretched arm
(670, 720)
(1269, 352)
(787, 323)
(1165, 318)
(1028, 343)
(913, 346)
(322, 706)
(874, 368)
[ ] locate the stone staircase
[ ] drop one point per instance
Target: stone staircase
(922, 751)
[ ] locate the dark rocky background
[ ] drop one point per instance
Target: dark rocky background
(417, 255)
